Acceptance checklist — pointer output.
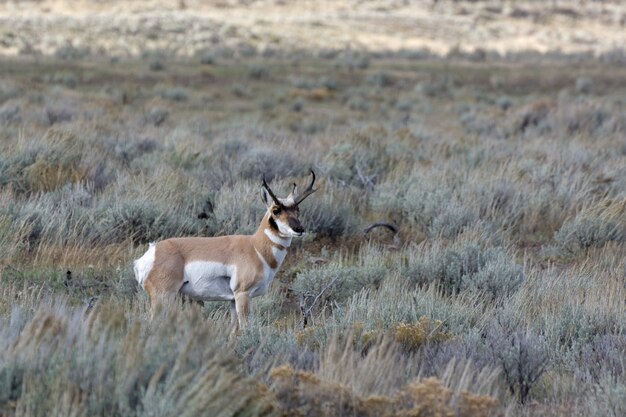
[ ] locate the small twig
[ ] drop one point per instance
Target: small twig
(306, 313)
(91, 302)
(367, 181)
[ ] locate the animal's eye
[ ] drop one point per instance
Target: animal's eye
(276, 211)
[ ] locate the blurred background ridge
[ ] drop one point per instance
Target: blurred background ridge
(187, 28)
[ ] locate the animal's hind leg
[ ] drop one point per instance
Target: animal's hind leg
(154, 298)
(233, 313)
(234, 321)
(164, 280)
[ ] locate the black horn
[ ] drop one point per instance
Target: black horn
(269, 190)
(310, 190)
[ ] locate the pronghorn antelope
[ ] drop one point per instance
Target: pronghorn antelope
(233, 268)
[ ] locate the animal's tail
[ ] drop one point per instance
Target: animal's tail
(143, 265)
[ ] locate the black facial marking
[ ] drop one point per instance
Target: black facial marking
(273, 224)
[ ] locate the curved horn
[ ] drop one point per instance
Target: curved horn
(310, 190)
(269, 190)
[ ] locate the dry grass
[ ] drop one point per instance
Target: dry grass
(501, 294)
(302, 394)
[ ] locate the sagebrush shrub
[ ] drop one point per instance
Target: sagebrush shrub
(602, 357)
(330, 213)
(338, 280)
(397, 301)
(142, 222)
(237, 210)
(564, 117)
(467, 267)
(421, 201)
(273, 163)
(595, 227)
(45, 164)
(523, 358)
(364, 157)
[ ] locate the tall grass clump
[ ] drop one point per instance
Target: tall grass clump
(57, 218)
(107, 362)
(44, 164)
(268, 161)
(237, 210)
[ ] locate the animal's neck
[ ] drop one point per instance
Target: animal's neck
(270, 245)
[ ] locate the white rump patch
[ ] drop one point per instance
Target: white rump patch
(143, 265)
(209, 281)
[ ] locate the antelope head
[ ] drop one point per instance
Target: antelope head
(284, 212)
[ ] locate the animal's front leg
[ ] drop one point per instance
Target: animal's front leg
(242, 306)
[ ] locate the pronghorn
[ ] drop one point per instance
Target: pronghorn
(230, 268)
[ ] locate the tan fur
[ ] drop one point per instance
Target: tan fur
(167, 274)
(249, 262)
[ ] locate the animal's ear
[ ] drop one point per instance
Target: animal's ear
(265, 197)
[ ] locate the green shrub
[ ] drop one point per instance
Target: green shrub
(257, 72)
(381, 79)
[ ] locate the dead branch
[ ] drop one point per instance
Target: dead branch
(373, 226)
(306, 313)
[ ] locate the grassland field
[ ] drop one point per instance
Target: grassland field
(503, 292)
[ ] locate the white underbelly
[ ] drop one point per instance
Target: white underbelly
(209, 281)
